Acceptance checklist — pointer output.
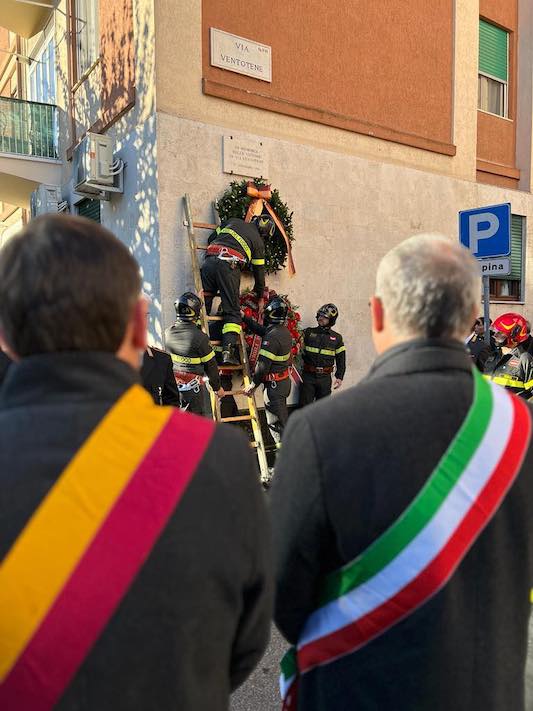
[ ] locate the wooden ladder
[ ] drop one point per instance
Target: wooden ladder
(252, 414)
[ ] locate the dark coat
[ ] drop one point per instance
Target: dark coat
(196, 619)
(191, 351)
(5, 362)
(348, 468)
(158, 378)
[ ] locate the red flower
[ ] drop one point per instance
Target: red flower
(248, 312)
(297, 316)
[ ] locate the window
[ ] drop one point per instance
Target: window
(510, 288)
(90, 209)
(42, 73)
(87, 34)
(493, 72)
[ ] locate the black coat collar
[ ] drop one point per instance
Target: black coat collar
(68, 376)
(421, 355)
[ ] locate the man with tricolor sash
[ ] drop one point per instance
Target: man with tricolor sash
(133, 537)
(404, 514)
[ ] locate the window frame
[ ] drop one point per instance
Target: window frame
(82, 71)
(37, 66)
(496, 282)
(505, 84)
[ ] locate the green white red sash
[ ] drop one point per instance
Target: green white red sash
(81, 550)
(419, 553)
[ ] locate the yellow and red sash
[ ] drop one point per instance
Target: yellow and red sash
(73, 563)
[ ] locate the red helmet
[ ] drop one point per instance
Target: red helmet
(514, 327)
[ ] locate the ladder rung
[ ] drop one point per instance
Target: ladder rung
(215, 318)
(202, 248)
(215, 343)
(233, 392)
(204, 226)
(231, 367)
(240, 418)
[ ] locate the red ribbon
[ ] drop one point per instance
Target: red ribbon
(260, 200)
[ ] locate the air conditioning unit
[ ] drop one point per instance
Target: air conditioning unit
(47, 198)
(95, 164)
(97, 173)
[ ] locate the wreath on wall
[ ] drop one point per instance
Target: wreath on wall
(254, 197)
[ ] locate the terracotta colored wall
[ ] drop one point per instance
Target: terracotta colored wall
(383, 68)
(117, 58)
(496, 136)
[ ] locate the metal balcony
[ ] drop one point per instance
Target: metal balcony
(28, 128)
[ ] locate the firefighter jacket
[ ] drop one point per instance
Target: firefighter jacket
(324, 348)
(244, 238)
(513, 370)
(275, 354)
(191, 351)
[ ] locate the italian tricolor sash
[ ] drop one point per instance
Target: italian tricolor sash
(418, 554)
(81, 550)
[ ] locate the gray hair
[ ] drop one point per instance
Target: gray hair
(429, 286)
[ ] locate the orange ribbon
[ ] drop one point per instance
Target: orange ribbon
(260, 200)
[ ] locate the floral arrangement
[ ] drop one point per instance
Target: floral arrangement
(250, 307)
(236, 201)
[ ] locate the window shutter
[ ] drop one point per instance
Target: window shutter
(493, 50)
(90, 209)
(516, 247)
(117, 58)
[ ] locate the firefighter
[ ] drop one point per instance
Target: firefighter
(273, 363)
(228, 405)
(323, 353)
(234, 246)
(478, 349)
(192, 355)
(513, 370)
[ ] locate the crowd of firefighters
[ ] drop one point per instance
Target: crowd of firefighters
(199, 358)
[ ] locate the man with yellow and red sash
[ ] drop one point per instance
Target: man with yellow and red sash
(404, 514)
(134, 538)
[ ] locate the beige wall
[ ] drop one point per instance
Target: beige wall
(348, 211)
(179, 92)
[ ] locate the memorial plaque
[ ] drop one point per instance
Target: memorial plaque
(242, 156)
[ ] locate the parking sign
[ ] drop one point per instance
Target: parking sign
(486, 231)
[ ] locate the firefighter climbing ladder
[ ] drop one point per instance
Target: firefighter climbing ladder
(252, 415)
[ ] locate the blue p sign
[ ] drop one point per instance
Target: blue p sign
(486, 231)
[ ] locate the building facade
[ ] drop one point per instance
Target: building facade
(379, 120)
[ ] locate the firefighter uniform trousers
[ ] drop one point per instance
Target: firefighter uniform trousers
(192, 396)
(220, 276)
(233, 246)
(277, 413)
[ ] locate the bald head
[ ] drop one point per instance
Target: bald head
(428, 287)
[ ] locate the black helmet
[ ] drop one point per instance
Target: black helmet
(276, 310)
(188, 307)
(265, 225)
(329, 311)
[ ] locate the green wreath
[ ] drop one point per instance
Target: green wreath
(234, 203)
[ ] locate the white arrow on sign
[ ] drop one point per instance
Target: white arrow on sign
(495, 267)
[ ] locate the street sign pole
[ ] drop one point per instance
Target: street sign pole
(486, 307)
(486, 232)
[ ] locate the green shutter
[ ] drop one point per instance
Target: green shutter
(90, 209)
(493, 50)
(516, 247)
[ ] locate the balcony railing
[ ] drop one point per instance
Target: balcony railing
(28, 128)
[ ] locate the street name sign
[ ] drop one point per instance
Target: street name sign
(241, 55)
(495, 267)
(486, 231)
